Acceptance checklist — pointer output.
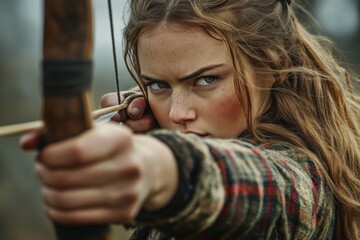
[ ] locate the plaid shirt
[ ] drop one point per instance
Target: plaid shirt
(232, 189)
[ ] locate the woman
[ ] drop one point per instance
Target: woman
(259, 139)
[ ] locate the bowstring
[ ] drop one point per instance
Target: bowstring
(114, 52)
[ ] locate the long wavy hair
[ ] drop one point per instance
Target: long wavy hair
(312, 105)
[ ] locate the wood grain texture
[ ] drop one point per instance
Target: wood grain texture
(68, 37)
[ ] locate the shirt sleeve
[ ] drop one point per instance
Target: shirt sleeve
(231, 189)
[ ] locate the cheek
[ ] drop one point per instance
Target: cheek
(229, 107)
(228, 115)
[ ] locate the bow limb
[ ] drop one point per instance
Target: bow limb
(67, 72)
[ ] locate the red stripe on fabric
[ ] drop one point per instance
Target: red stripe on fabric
(291, 206)
(237, 188)
(269, 191)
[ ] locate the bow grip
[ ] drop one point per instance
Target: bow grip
(67, 73)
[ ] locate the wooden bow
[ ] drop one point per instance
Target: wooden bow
(67, 72)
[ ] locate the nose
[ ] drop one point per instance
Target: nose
(182, 108)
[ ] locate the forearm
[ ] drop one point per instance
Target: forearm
(238, 188)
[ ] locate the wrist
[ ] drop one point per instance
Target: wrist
(162, 173)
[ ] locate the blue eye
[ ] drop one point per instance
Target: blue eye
(205, 81)
(156, 86)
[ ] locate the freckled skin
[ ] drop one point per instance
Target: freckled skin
(170, 52)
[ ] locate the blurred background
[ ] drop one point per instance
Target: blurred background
(21, 213)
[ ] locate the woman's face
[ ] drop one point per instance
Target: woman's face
(189, 79)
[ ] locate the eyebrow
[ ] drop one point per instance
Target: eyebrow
(187, 77)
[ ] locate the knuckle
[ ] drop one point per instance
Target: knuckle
(131, 197)
(129, 215)
(134, 170)
(77, 152)
(107, 100)
(127, 199)
(114, 200)
(104, 101)
(138, 102)
(60, 179)
(55, 199)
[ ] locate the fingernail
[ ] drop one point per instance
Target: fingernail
(135, 112)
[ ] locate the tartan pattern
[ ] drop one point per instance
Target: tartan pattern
(244, 191)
